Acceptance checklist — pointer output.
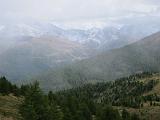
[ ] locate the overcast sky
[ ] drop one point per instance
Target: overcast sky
(74, 9)
(66, 10)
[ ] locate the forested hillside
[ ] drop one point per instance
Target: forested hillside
(135, 97)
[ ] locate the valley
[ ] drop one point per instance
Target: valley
(79, 60)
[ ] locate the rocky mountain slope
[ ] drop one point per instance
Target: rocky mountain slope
(134, 58)
(36, 55)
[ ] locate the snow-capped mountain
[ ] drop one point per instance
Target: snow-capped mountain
(100, 36)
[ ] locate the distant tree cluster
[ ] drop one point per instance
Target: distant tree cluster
(6, 87)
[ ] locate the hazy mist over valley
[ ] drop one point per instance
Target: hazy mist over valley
(30, 48)
(80, 59)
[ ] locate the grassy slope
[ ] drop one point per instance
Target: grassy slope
(9, 107)
(148, 112)
(153, 113)
(156, 89)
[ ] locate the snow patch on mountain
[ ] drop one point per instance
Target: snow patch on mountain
(2, 27)
(27, 30)
(104, 33)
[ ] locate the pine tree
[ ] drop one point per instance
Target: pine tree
(35, 106)
(5, 86)
(58, 114)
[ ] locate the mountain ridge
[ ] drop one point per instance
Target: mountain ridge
(134, 58)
